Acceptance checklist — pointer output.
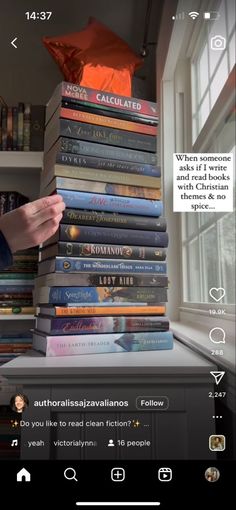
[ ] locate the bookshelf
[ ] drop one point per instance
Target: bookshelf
(20, 171)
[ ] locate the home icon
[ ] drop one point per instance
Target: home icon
(23, 476)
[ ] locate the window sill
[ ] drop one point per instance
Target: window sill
(198, 339)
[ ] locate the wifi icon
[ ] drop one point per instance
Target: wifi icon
(193, 14)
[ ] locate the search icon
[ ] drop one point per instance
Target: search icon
(70, 474)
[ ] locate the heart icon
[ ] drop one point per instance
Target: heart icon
(217, 293)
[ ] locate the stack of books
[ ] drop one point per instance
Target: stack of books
(102, 282)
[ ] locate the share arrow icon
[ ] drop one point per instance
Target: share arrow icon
(217, 376)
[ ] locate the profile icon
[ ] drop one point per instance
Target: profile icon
(19, 402)
(217, 443)
(212, 474)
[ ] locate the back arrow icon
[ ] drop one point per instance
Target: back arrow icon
(13, 42)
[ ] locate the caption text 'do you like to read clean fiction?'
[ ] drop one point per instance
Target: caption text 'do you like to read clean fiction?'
(203, 182)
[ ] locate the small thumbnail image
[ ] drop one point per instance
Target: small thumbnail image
(212, 474)
(217, 443)
(19, 402)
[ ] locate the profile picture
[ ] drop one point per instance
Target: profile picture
(212, 474)
(217, 443)
(19, 402)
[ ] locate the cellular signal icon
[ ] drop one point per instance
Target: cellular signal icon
(178, 17)
(193, 14)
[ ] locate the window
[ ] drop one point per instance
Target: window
(208, 239)
(210, 68)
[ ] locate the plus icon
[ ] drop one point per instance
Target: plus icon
(117, 474)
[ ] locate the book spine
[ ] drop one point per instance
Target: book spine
(74, 146)
(37, 127)
(20, 134)
(82, 233)
(28, 310)
(15, 275)
(15, 295)
(15, 302)
(15, 127)
(98, 175)
(26, 131)
(113, 101)
(109, 310)
(106, 251)
(104, 280)
(9, 129)
(12, 289)
(3, 202)
(77, 216)
(91, 344)
(103, 188)
(98, 134)
(103, 164)
(71, 265)
(86, 325)
(111, 203)
(11, 201)
(100, 295)
(4, 128)
(105, 111)
(110, 122)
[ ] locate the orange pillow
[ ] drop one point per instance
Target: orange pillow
(96, 58)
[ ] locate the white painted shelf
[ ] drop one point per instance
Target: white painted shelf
(15, 316)
(18, 160)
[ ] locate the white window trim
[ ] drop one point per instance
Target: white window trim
(173, 50)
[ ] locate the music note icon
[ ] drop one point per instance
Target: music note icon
(14, 442)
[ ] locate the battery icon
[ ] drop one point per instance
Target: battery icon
(212, 15)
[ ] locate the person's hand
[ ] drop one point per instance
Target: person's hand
(32, 223)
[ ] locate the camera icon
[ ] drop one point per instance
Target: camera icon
(218, 43)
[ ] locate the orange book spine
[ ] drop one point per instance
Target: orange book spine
(100, 120)
(110, 310)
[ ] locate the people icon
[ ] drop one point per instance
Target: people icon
(212, 474)
(19, 402)
(110, 442)
(217, 443)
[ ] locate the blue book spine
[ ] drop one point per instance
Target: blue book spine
(8, 289)
(73, 264)
(100, 202)
(106, 295)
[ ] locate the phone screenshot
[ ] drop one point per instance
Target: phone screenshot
(117, 253)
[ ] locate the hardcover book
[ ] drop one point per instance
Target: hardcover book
(103, 280)
(97, 175)
(113, 102)
(111, 203)
(102, 251)
(98, 134)
(100, 295)
(101, 187)
(68, 111)
(74, 265)
(70, 345)
(75, 311)
(82, 148)
(115, 220)
(85, 325)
